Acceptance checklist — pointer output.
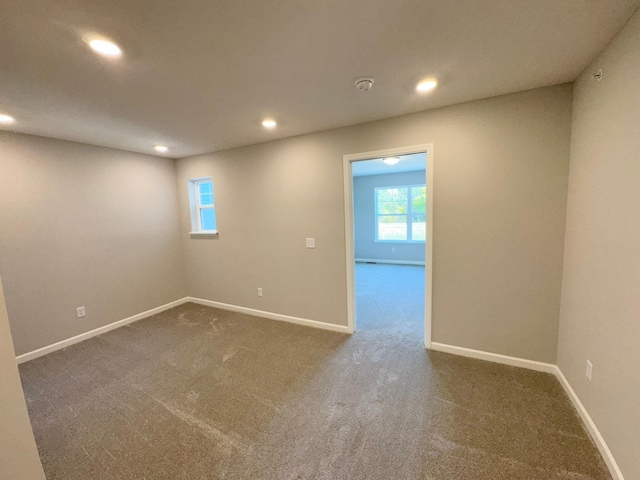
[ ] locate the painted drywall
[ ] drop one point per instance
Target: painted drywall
(84, 225)
(599, 318)
(501, 168)
(364, 218)
(19, 458)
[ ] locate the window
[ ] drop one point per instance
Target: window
(203, 211)
(401, 214)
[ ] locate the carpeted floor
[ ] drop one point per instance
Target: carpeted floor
(200, 393)
(390, 299)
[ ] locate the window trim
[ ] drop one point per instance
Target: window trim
(200, 207)
(196, 208)
(409, 214)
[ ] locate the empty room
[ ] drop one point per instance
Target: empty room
(320, 240)
(390, 240)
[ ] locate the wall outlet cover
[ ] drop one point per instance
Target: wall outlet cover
(589, 370)
(81, 312)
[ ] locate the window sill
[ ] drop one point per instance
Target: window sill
(203, 234)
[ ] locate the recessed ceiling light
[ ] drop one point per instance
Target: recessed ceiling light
(6, 119)
(391, 160)
(161, 148)
(427, 85)
(269, 123)
(105, 47)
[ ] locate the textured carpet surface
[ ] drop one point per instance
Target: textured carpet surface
(390, 299)
(200, 393)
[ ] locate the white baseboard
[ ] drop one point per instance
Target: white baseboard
(273, 316)
(615, 471)
(25, 357)
(441, 347)
(393, 262)
(547, 368)
(495, 357)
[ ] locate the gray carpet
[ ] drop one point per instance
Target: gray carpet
(390, 299)
(200, 393)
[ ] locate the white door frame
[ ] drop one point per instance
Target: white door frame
(350, 237)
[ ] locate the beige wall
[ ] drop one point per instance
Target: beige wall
(19, 458)
(84, 225)
(364, 218)
(501, 169)
(600, 313)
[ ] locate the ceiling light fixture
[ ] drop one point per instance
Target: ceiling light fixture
(6, 119)
(269, 123)
(161, 148)
(391, 160)
(105, 47)
(427, 85)
(365, 84)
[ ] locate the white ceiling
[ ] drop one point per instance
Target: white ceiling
(408, 163)
(199, 75)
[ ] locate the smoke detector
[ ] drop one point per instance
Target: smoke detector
(364, 84)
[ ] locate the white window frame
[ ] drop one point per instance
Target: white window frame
(409, 213)
(196, 208)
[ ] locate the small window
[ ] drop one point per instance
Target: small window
(401, 214)
(203, 210)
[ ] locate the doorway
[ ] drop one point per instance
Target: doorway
(389, 240)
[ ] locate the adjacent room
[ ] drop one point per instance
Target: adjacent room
(336, 240)
(390, 233)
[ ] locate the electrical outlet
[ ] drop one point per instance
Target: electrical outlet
(311, 243)
(259, 292)
(81, 312)
(589, 370)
